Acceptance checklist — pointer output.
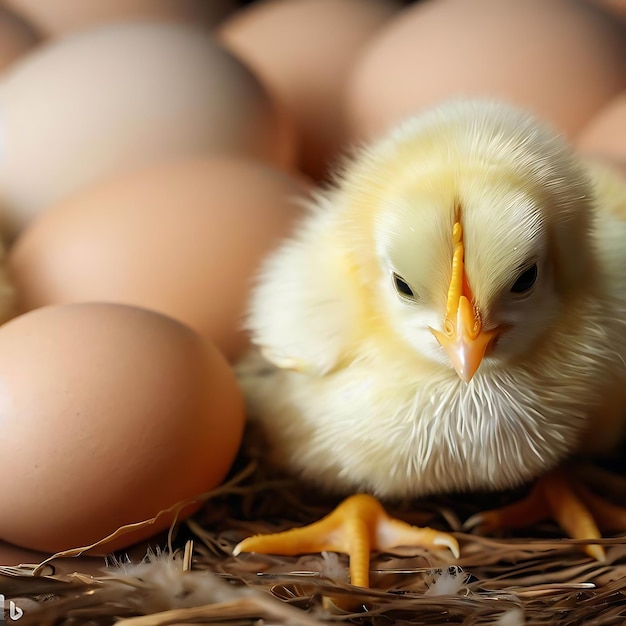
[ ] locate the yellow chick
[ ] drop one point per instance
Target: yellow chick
(451, 316)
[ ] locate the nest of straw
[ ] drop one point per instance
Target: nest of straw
(190, 576)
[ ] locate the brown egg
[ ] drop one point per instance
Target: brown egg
(561, 59)
(110, 414)
(17, 37)
(60, 17)
(184, 239)
(605, 134)
(303, 50)
(105, 101)
(619, 166)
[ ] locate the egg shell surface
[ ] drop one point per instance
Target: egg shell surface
(303, 50)
(561, 60)
(59, 17)
(184, 239)
(121, 97)
(605, 134)
(109, 414)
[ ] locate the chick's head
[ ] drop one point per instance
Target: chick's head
(474, 221)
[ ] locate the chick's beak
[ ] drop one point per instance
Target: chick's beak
(463, 337)
(464, 340)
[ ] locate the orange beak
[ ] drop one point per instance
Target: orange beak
(463, 337)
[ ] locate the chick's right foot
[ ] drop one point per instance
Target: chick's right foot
(560, 497)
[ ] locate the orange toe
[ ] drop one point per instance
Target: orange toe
(356, 527)
(554, 496)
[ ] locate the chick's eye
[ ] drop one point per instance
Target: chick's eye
(525, 280)
(402, 287)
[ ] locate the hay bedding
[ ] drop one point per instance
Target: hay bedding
(192, 579)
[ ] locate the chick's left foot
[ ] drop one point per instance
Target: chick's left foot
(356, 527)
(557, 496)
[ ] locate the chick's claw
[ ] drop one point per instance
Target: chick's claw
(556, 496)
(356, 527)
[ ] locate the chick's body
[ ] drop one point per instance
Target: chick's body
(355, 391)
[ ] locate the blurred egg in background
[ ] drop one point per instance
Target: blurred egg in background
(183, 238)
(59, 17)
(561, 59)
(605, 134)
(303, 50)
(109, 415)
(104, 101)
